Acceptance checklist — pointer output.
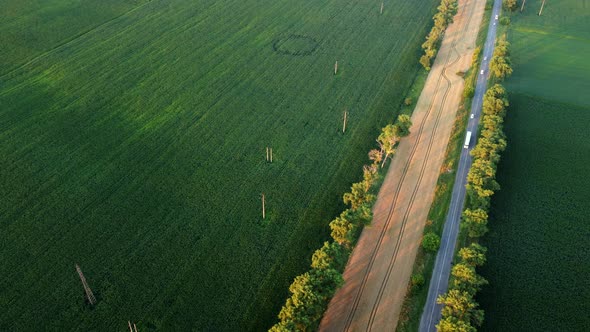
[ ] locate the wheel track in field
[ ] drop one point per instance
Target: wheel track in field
(383, 286)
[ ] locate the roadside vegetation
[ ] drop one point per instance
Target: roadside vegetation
(446, 11)
(460, 310)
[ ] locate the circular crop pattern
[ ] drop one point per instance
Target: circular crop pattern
(296, 45)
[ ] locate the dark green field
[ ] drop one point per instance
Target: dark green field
(539, 258)
(132, 143)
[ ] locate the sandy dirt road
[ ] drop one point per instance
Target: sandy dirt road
(379, 269)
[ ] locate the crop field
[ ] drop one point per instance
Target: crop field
(133, 144)
(538, 257)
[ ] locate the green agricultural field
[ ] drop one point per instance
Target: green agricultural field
(538, 257)
(550, 53)
(133, 140)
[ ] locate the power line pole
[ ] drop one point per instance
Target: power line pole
(336, 68)
(263, 208)
(89, 295)
(344, 124)
(381, 11)
(522, 7)
(542, 5)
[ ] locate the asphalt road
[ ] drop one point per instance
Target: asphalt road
(442, 266)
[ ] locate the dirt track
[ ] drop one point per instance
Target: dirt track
(378, 272)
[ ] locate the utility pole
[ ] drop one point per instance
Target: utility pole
(263, 208)
(89, 295)
(336, 68)
(344, 124)
(542, 5)
(522, 7)
(381, 11)
(267, 154)
(271, 155)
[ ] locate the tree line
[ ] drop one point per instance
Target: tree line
(311, 291)
(500, 65)
(446, 11)
(460, 311)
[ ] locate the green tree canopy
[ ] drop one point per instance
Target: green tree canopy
(474, 255)
(465, 278)
(475, 222)
(310, 293)
(510, 4)
(431, 242)
(331, 255)
(404, 123)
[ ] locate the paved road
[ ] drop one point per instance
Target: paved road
(442, 266)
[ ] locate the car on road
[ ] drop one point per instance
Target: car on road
(496, 17)
(481, 72)
(472, 115)
(485, 58)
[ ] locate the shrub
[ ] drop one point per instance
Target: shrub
(417, 280)
(469, 90)
(431, 242)
(510, 4)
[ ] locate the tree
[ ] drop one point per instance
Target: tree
(475, 56)
(458, 304)
(500, 67)
(469, 90)
(425, 61)
(481, 177)
(345, 227)
(510, 4)
(417, 280)
(475, 221)
(431, 242)
(331, 255)
(452, 324)
(370, 175)
(376, 156)
(474, 255)
(358, 195)
(404, 123)
(387, 140)
(502, 47)
(466, 279)
(343, 230)
(310, 293)
(475, 200)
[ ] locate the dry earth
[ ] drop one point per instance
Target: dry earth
(379, 269)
